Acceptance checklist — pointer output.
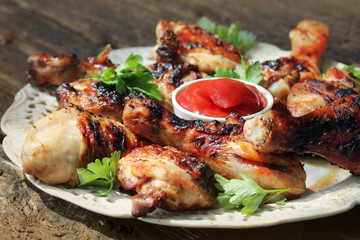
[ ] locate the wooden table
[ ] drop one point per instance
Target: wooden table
(84, 27)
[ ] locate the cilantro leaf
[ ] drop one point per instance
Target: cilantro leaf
(243, 70)
(244, 194)
(100, 173)
(225, 72)
(254, 73)
(353, 70)
(243, 40)
(130, 75)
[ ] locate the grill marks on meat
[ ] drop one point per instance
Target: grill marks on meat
(331, 132)
(313, 94)
(166, 177)
(168, 71)
(198, 46)
(309, 41)
(281, 74)
(220, 145)
(57, 69)
(92, 96)
(68, 139)
(341, 79)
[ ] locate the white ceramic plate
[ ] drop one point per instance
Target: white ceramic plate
(331, 190)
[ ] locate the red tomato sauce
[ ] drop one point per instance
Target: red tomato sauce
(220, 97)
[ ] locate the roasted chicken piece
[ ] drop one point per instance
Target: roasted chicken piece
(168, 71)
(199, 47)
(341, 79)
(331, 132)
(219, 145)
(57, 69)
(68, 139)
(313, 94)
(166, 177)
(309, 41)
(92, 96)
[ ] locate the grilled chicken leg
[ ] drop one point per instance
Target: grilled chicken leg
(166, 177)
(199, 47)
(57, 69)
(309, 41)
(219, 145)
(331, 132)
(169, 71)
(92, 96)
(68, 139)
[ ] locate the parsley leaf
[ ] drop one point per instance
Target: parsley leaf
(244, 194)
(100, 173)
(130, 75)
(352, 69)
(243, 40)
(244, 71)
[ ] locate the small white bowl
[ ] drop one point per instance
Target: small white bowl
(186, 114)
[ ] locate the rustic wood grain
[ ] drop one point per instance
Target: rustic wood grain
(84, 27)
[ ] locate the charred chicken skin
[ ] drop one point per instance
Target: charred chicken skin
(199, 47)
(309, 41)
(92, 96)
(313, 94)
(57, 69)
(331, 132)
(166, 177)
(68, 139)
(341, 79)
(168, 71)
(219, 145)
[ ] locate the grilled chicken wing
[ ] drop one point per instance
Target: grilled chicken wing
(309, 41)
(92, 96)
(166, 177)
(68, 139)
(219, 145)
(199, 47)
(331, 132)
(57, 69)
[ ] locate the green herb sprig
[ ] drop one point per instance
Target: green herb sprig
(130, 75)
(244, 194)
(351, 68)
(244, 71)
(243, 40)
(100, 173)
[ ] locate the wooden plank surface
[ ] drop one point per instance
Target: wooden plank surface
(84, 27)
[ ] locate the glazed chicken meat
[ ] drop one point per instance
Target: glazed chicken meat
(221, 146)
(166, 177)
(331, 132)
(199, 47)
(309, 41)
(69, 139)
(169, 162)
(57, 69)
(92, 96)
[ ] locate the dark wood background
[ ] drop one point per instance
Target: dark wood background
(84, 27)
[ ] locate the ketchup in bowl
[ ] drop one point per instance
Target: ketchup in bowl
(220, 97)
